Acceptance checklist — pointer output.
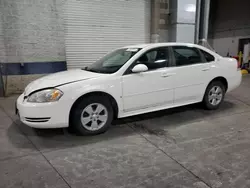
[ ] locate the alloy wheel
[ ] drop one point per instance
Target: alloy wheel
(215, 95)
(94, 116)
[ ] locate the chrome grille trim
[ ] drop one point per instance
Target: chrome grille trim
(37, 120)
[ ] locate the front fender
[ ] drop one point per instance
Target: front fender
(74, 91)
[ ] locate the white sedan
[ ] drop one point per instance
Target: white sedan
(128, 81)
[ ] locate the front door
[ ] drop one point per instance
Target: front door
(151, 88)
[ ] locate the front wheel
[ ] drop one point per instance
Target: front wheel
(214, 95)
(93, 115)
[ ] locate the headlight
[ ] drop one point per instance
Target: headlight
(47, 95)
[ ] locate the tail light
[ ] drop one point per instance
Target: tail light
(238, 65)
(238, 62)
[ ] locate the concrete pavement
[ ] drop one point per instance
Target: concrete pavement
(181, 147)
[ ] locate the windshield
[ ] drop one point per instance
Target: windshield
(113, 61)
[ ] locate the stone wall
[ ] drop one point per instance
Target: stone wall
(159, 20)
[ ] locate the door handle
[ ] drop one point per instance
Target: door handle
(206, 69)
(166, 74)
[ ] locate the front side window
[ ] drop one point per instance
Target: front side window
(154, 59)
(113, 61)
(186, 55)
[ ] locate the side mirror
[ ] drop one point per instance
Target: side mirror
(140, 68)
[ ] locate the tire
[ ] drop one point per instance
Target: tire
(211, 99)
(97, 123)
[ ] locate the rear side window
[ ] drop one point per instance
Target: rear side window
(208, 56)
(186, 55)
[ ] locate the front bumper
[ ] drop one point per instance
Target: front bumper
(42, 115)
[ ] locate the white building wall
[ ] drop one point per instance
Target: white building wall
(227, 45)
(31, 31)
(2, 54)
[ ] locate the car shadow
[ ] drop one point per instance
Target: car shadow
(52, 139)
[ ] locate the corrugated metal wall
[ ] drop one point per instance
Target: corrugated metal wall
(93, 28)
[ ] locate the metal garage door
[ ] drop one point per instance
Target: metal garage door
(94, 27)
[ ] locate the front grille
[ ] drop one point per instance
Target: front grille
(37, 120)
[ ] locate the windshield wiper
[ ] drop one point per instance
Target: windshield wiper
(91, 70)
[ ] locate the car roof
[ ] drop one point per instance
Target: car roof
(153, 45)
(161, 44)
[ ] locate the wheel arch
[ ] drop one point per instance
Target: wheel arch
(221, 79)
(99, 94)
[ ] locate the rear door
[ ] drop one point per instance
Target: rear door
(193, 73)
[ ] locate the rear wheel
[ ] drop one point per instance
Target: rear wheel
(93, 115)
(214, 95)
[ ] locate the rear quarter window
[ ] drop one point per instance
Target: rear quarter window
(208, 56)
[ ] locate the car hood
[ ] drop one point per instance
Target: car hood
(60, 78)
